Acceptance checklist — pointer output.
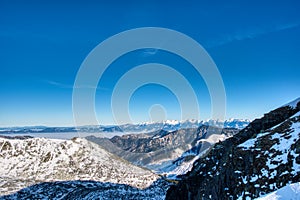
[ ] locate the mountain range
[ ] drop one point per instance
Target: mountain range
(33, 161)
(166, 152)
(146, 127)
(176, 162)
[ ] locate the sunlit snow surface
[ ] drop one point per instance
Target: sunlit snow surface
(284, 142)
(289, 192)
(35, 160)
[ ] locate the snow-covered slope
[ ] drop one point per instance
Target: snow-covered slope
(168, 153)
(184, 163)
(289, 192)
(278, 152)
(34, 160)
(260, 159)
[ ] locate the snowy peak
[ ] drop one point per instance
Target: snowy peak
(171, 125)
(145, 127)
(39, 160)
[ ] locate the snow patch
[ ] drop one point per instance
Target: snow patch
(289, 192)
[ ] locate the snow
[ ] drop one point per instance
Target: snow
(296, 167)
(248, 144)
(289, 192)
(278, 153)
(251, 142)
(101, 130)
(280, 150)
(292, 104)
(264, 172)
(273, 174)
(257, 185)
(173, 171)
(245, 180)
(40, 159)
(254, 178)
(214, 138)
(172, 122)
(283, 145)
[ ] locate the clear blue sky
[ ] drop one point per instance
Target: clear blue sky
(255, 44)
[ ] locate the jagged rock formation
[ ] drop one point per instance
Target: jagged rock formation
(259, 159)
(161, 150)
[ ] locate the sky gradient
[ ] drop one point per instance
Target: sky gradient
(254, 44)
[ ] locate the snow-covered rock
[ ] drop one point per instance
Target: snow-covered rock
(35, 160)
(261, 158)
(288, 192)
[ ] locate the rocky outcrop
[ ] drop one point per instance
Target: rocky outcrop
(161, 146)
(163, 139)
(259, 159)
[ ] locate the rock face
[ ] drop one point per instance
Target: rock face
(24, 162)
(160, 149)
(138, 143)
(259, 159)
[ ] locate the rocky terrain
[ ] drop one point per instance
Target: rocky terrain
(90, 190)
(163, 151)
(29, 161)
(40, 166)
(260, 159)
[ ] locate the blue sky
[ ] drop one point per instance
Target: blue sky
(254, 44)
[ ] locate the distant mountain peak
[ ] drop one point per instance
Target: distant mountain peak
(167, 125)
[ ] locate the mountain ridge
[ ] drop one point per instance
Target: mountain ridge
(219, 175)
(168, 125)
(162, 151)
(39, 160)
